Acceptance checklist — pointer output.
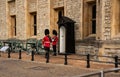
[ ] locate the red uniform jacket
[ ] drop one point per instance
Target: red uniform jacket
(46, 41)
(54, 40)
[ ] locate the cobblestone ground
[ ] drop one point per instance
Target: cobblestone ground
(14, 67)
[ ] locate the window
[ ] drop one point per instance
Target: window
(93, 19)
(58, 12)
(33, 24)
(13, 26)
(89, 24)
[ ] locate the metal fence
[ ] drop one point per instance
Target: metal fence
(99, 73)
(87, 57)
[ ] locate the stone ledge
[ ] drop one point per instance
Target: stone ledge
(10, 0)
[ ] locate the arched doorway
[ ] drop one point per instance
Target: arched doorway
(62, 39)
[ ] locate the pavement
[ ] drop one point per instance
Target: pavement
(19, 68)
(14, 67)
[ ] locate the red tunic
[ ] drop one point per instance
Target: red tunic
(46, 41)
(54, 40)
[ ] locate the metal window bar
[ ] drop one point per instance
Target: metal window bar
(99, 73)
(100, 56)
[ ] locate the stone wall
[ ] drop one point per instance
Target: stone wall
(73, 9)
(106, 19)
(22, 9)
(42, 7)
(43, 20)
(21, 19)
(32, 5)
(46, 12)
(3, 25)
(58, 3)
(110, 48)
(12, 8)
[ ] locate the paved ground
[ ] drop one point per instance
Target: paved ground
(14, 67)
(18, 68)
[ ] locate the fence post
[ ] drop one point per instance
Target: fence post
(116, 61)
(32, 56)
(9, 50)
(65, 59)
(20, 54)
(9, 53)
(88, 61)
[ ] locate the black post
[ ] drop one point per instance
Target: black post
(32, 56)
(9, 50)
(65, 59)
(9, 53)
(20, 54)
(88, 60)
(47, 57)
(116, 61)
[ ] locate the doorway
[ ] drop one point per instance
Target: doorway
(67, 39)
(62, 39)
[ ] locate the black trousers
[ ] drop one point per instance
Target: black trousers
(54, 49)
(47, 50)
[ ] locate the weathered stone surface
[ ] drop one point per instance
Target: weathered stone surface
(47, 12)
(32, 5)
(3, 24)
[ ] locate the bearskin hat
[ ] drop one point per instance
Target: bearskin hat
(46, 31)
(54, 32)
